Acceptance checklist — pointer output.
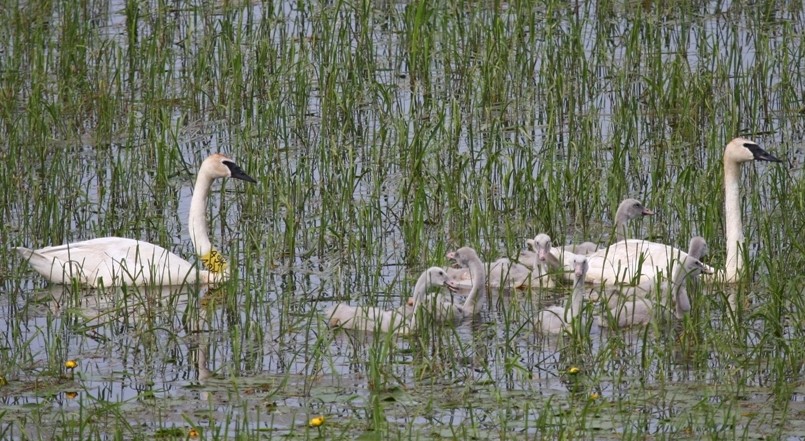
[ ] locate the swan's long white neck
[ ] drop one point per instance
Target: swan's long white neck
(732, 208)
(621, 219)
(478, 273)
(197, 220)
(420, 289)
(578, 296)
(680, 291)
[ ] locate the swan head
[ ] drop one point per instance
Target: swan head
(220, 166)
(743, 150)
(632, 209)
(463, 256)
(542, 245)
(580, 266)
(692, 266)
(698, 247)
(438, 277)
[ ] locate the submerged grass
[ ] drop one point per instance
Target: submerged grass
(383, 135)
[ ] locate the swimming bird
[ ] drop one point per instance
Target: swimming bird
(542, 261)
(502, 273)
(631, 306)
(117, 261)
(640, 261)
(374, 319)
(555, 319)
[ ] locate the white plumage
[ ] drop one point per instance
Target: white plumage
(117, 261)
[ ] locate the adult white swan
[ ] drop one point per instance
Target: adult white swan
(638, 262)
(371, 319)
(116, 261)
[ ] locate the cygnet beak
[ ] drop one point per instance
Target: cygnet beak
(451, 285)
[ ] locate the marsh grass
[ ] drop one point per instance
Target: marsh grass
(383, 135)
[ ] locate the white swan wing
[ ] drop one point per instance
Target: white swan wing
(110, 261)
(636, 262)
(505, 273)
(364, 318)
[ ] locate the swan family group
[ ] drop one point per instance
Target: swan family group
(631, 275)
(630, 271)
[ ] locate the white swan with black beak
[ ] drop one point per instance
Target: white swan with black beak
(639, 262)
(117, 261)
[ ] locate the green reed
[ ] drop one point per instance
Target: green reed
(382, 136)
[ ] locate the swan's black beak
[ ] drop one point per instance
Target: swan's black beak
(451, 286)
(237, 172)
(759, 153)
(647, 212)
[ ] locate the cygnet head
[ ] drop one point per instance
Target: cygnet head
(463, 256)
(219, 166)
(542, 245)
(438, 277)
(580, 266)
(743, 150)
(698, 247)
(632, 209)
(693, 267)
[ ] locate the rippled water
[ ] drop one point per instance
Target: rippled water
(255, 356)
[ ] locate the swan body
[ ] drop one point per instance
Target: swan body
(632, 262)
(555, 319)
(633, 311)
(630, 305)
(502, 273)
(117, 261)
(629, 262)
(397, 321)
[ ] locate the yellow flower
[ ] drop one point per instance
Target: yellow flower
(71, 395)
(192, 433)
(71, 364)
(594, 396)
(573, 370)
(316, 422)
